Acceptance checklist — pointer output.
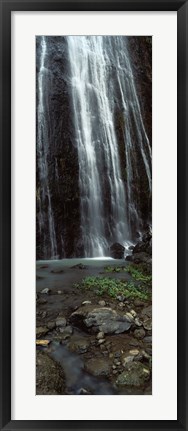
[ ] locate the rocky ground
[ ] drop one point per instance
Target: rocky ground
(94, 336)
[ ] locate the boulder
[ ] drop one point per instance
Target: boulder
(57, 271)
(79, 266)
(141, 257)
(98, 367)
(145, 245)
(136, 374)
(142, 246)
(100, 319)
(117, 251)
(50, 379)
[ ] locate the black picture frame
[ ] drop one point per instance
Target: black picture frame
(6, 7)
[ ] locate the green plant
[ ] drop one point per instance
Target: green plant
(138, 274)
(113, 288)
(114, 268)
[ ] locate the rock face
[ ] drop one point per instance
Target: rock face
(50, 379)
(117, 251)
(62, 159)
(103, 320)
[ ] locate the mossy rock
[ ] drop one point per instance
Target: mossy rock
(135, 374)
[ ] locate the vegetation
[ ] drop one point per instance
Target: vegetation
(137, 271)
(115, 287)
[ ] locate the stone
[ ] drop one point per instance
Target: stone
(86, 302)
(57, 271)
(134, 343)
(100, 335)
(45, 291)
(147, 324)
(145, 355)
(139, 333)
(148, 339)
(121, 298)
(140, 247)
(98, 367)
(121, 305)
(41, 331)
(79, 346)
(129, 257)
(101, 341)
(145, 245)
(61, 322)
(137, 322)
(116, 362)
(127, 359)
(149, 350)
(117, 251)
(117, 354)
(147, 311)
(134, 352)
(136, 374)
(102, 303)
(129, 317)
(102, 347)
(51, 325)
(79, 266)
(139, 303)
(83, 391)
(100, 320)
(66, 332)
(147, 236)
(141, 257)
(133, 313)
(50, 378)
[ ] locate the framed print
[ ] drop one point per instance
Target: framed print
(93, 215)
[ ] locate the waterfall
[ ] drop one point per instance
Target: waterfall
(129, 103)
(44, 196)
(93, 172)
(102, 81)
(97, 145)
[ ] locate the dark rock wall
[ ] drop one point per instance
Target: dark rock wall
(140, 50)
(62, 154)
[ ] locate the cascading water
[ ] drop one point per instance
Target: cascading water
(93, 153)
(129, 103)
(44, 196)
(101, 80)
